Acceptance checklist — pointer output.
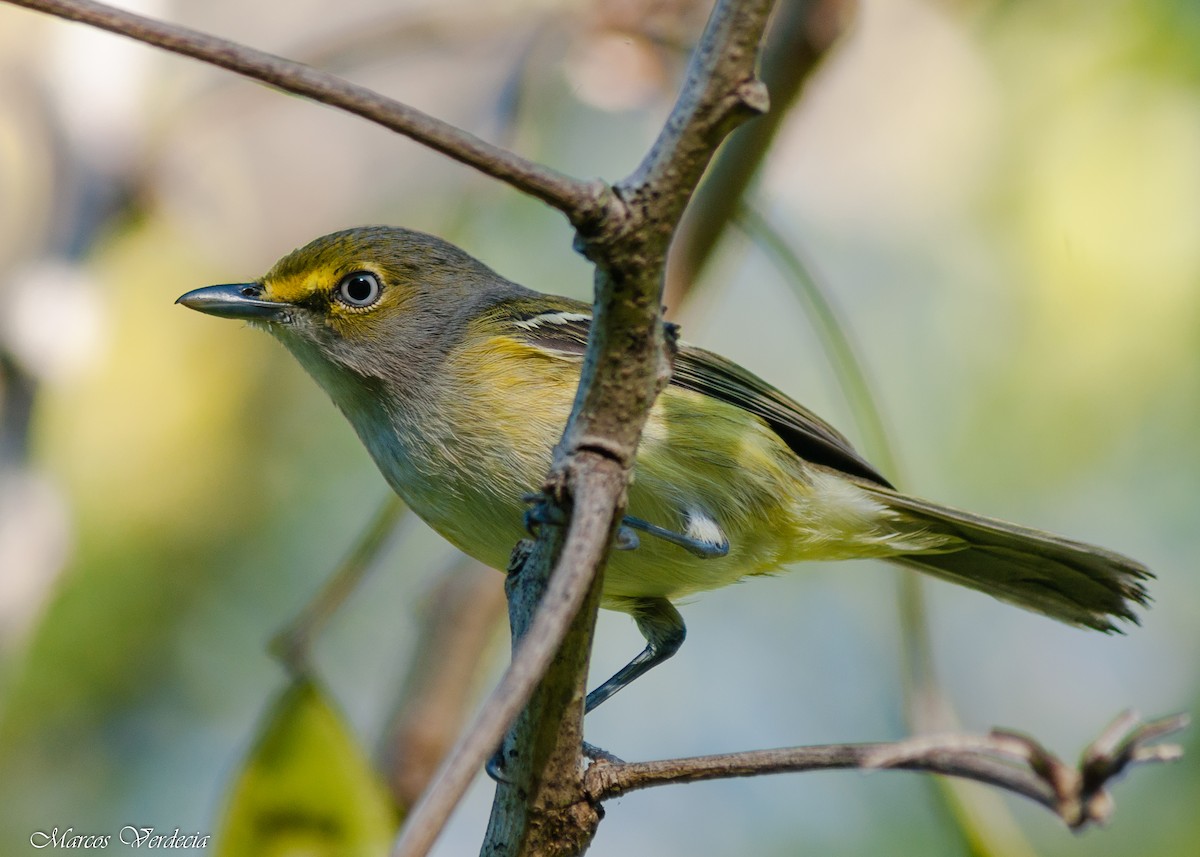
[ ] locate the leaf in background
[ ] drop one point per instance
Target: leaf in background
(306, 788)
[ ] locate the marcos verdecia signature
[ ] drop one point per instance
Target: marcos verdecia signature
(129, 836)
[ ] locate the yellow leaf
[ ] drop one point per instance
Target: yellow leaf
(307, 788)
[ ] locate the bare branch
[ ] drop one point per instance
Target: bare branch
(544, 811)
(565, 593)
(581, 201)
(1007, 760)
(627, 340)
(627, 364)
(625, 367)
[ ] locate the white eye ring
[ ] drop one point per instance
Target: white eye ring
(359, 289)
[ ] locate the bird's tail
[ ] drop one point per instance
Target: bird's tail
(1067, 580)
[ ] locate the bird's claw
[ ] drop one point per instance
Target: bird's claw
(541, 512)
(494, 767)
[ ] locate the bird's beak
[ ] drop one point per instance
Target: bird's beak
(236, 300)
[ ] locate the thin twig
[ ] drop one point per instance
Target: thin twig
(581, 201)
(951, 755)
(627, 341)
(1007, 760)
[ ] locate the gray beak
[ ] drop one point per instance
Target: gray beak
(236, 300)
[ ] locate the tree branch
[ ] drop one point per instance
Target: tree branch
(627, 343)
(564, 595)
(1007, 760)
(626, 365)
(581, 201)
(540, 808)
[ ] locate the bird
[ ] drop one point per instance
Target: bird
(458, 382)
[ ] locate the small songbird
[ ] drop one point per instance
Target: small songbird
(459, 383)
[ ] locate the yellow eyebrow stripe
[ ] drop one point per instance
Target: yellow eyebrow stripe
(295, 288)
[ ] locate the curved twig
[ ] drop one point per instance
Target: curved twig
(1008, 760)
(581, 201)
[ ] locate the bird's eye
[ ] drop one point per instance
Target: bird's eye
(360, 289)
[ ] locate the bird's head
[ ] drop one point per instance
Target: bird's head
(375, 302)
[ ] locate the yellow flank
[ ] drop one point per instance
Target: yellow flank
(698, 457)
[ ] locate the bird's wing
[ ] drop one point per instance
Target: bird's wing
(809, 436)
(563, 330)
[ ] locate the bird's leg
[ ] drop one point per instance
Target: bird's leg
(540, 513)
(703, 548)
(663, 628)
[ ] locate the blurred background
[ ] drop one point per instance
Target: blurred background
(1000, 197)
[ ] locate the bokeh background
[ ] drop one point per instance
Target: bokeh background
(1001, 198)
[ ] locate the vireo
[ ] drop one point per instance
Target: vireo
(459, 383)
